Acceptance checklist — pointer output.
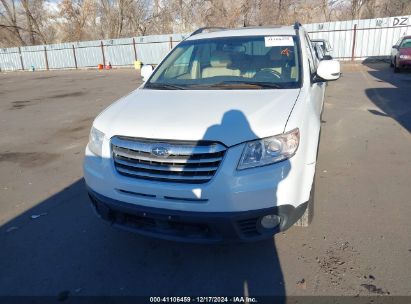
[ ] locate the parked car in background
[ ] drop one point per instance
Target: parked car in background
(325, 45)
(401, 54)
(319, 52)
(220, 142)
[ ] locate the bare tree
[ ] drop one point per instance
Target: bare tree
(356, 7)
(8, 13)
(33, 10)
(394, 8)
(75, 16)
(24, 22)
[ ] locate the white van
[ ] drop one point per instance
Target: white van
(219, 143)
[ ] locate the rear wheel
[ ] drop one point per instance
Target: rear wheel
(306, 219)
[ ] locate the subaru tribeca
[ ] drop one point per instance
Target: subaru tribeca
(220, 141)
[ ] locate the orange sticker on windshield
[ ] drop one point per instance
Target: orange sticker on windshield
(285, 52)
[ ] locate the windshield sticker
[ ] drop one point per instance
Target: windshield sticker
(285, 52)
(278, 41)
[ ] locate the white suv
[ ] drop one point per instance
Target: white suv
(219, 143)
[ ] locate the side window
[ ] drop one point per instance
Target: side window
(184, 59)
(181, 66)
(318, 51)
(310, 54)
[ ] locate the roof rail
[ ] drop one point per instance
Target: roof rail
(297, 28)
(207, 29)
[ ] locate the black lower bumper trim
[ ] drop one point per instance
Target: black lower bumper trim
(193, 227)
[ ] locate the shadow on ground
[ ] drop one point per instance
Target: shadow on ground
(69, 250)
(394, 101)
(62, 249)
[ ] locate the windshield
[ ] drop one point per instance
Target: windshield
(257, 62)
(406, 43)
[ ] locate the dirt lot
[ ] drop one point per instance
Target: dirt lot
(358, 244)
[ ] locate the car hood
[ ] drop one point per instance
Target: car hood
(405, 51)
(227, 116)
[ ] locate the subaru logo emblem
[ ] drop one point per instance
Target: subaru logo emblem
(160, 151)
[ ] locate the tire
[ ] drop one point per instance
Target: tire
(396, 69)
(306, 219)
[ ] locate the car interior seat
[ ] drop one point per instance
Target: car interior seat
(220, 66)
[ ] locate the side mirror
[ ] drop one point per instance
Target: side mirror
(327, 57)
(146, 71)
(329, 70)
(395, 47)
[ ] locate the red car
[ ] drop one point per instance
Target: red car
(401, 54)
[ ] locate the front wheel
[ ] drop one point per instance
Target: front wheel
(396, 68)
(306, 219)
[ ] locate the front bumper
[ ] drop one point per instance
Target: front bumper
(404, 63)
(285, 183)
(189, 226)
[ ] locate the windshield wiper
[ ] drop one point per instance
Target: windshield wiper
(259, 84)
(164, 86)
(227, 83)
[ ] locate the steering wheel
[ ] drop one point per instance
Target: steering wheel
(267, 74)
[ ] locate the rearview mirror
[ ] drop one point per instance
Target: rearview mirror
(146, 72)
(329, 70)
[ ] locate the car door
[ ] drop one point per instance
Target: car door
(317, 88)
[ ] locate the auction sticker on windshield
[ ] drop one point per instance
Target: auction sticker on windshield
(278, 41)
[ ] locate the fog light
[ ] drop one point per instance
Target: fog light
(270, 221)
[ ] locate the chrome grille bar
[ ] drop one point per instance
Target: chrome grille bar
(182, 162)
(162, 176)
(164, 166)
(175, 149)
(182, 159)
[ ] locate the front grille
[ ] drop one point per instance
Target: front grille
(181, 162)
(170, 227)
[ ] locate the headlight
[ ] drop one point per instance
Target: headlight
(405, 56)
(95, 143)
(269, 150)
